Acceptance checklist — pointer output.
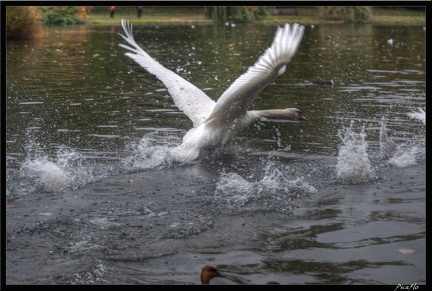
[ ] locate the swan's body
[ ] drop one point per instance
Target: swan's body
(216, 123)
(420, 115)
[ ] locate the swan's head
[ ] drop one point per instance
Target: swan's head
(295, 114)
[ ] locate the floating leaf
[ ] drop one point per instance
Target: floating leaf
(46, 213)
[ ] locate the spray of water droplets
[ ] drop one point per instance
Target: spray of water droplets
(353, 164)
(276, 189)
(399, 155)
(63, 172)
(153, 151)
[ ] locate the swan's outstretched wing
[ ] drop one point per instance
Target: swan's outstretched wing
(187, 97)
(420, 115)
(240, 95)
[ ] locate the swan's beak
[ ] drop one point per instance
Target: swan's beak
(300, 115)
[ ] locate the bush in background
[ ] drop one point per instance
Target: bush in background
(63, 15)
(22, 22)
(354, 14)
(237, 13)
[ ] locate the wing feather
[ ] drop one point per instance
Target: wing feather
(236, 100)
(186, 96)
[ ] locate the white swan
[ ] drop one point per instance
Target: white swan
(420, 115)
(216, 123)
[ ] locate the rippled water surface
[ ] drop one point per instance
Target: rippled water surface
(93, 198)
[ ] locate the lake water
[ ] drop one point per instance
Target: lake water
(92, 199)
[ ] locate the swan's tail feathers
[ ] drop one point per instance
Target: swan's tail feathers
(419, 115)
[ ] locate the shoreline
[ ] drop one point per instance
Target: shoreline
(187, 19)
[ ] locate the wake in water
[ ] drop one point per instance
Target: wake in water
(70, 170)
(277, 189)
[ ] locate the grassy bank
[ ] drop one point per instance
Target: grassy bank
(195, 15)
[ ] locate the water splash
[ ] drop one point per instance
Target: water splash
(405, 156)
(402, 155)
(353, 164)
(386, 142)
(276, 189)
(420, 115)
(153, 151)
(46, 172)
(403, 160)
(235, 190)
(68, 169)
(64, 172)
(65, 169)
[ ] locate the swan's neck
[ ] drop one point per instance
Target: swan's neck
(226, 126)
(288, 113)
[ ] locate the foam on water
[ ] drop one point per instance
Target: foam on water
(277, 189)
(153, 151)
(235, 190)
(52, 177)
(353, 164)
(64, 172)
(69, 169)
(402, 155)
(408, 154)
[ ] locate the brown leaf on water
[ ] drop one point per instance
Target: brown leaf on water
(46, 213)
(406, 251)
(131, 181)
